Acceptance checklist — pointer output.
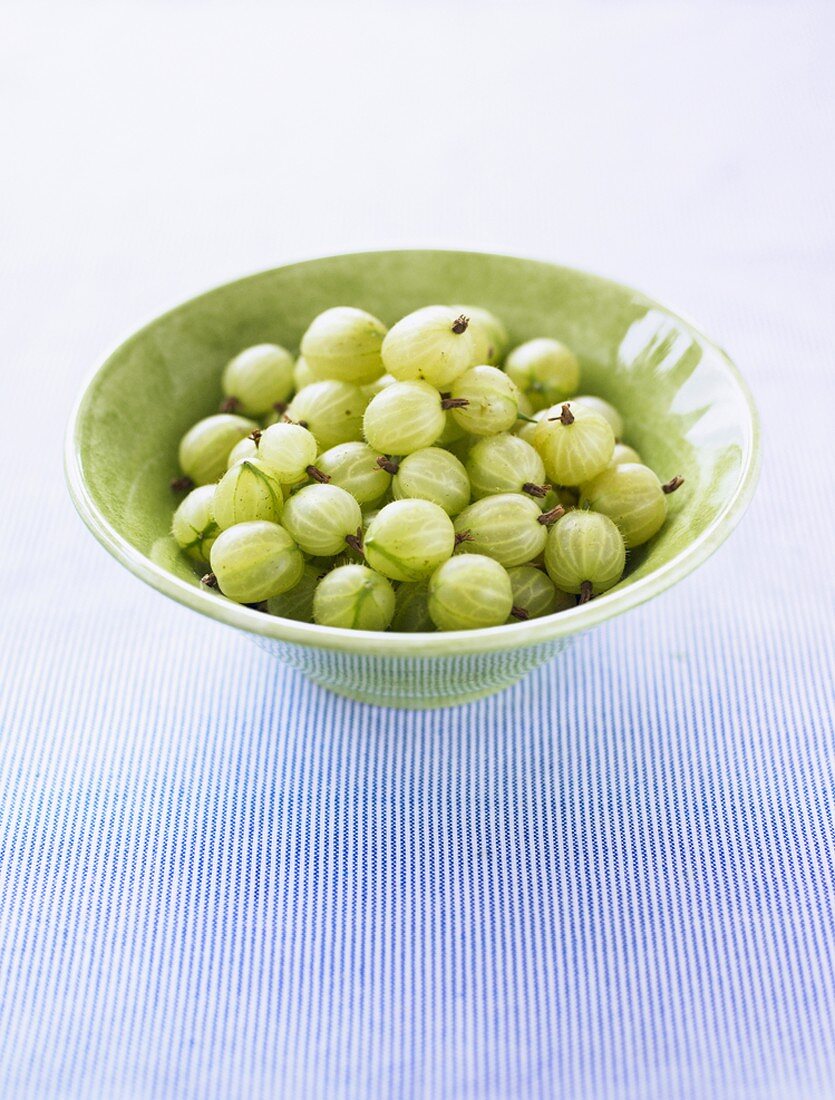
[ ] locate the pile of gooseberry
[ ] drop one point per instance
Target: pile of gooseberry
(410, 479)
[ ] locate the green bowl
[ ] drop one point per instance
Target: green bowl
(686, 409)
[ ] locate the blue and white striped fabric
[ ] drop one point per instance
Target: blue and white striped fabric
(612, 882)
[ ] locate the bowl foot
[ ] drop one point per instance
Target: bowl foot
(399, 702)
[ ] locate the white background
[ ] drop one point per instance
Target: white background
(155, 149)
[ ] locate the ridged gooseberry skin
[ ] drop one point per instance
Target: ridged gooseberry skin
(603, 408)
(489, 334)
(433, 345)
(246, 492)
(344, 343)
(433, 474)
(354, 467)
(507, 527)
(411, 609)
(244, 448)
(287, 450)
(525, 429)
(545, 370)
(302, 374)
(585, 548)
(354, 597)
(624, 453)
(371, 389)
(574, 443)
(331, 410)
(492, 401)
(470, 592)
(297, 602)
(193, 526)
(320, 518)
(205, 447)
(631, 495)
(254, 561)
(504, 464)
(535, 594)
(408, 539)
(258, 378)
(403, 418)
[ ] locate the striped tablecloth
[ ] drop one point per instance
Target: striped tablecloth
(219, 883)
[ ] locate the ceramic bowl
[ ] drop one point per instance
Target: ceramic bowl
(686, 409)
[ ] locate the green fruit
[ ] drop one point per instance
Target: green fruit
(205, 447)
(585, 554)
(632, 496)
(433, 345)
(246, 492)
(331, 410)
(408, 539)
(404, 417)
(505, 464)
(489, 335)
(253, 561)
(574, 444)
(509, 527)
(603, 408)
(258, 378)
(433, 474)
(344, 344)
(323, 519)
(354, 467)
(484, 401)
(354, 597)
(534, 594)
(469, 592)
(194, 527)
(545, 370)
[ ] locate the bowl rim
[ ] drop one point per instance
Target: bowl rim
(441, 644)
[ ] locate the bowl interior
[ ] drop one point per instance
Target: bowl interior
(684, 405)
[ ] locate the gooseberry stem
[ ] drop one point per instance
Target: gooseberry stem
(524, 416)
(585, 592)
(229, 404)
(289, 420)
(448, 402)
(280, 407)
(210, 580)
(181, 484)
(534, 490)
(566, 415)
(355, 541)
(462, 536)
(519, 613)
(460, 325)
(552, 515)
(255, 436)
(317, 474)
(388, 464)
(673, 484)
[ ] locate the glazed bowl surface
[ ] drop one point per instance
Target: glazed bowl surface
(686, 409)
